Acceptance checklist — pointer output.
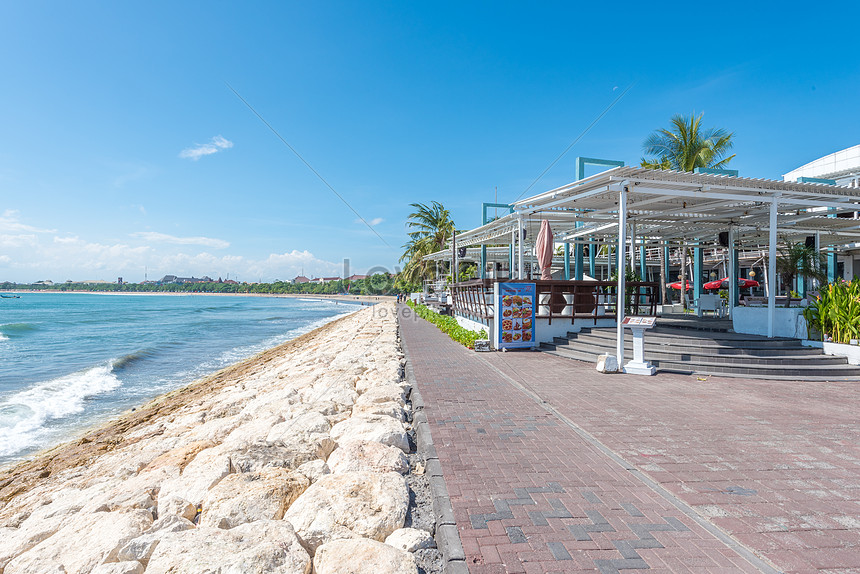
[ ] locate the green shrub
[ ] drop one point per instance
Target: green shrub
(448, 324)
(836, 311)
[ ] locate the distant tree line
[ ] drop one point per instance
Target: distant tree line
(379, 284)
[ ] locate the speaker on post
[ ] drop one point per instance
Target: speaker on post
(724, 238)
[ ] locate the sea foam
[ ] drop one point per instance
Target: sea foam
(24, 416)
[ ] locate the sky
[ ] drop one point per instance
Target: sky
(126, 151)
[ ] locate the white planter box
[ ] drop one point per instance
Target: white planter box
(753, 321)
(851, 352)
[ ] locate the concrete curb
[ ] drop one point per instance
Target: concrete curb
(447, 535)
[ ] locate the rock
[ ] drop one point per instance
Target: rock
(607, 363)
(106, 533)
(269, 546)
(350, 505)
(247, 497)
(257, 456)
(174, 505)
(131, 567)
(141, 548)
(201, 474)
(371, 456)
(383, 394)
(15, 541)
(390, 409)
(362, 556)
(314, 470)
(410, 539)
(302, 428)
(377, 428)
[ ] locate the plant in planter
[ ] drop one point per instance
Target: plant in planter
(798, 260)
(835, 313)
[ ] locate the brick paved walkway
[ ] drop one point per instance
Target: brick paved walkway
(552, 467)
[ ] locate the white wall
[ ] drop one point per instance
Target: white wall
(753, 321)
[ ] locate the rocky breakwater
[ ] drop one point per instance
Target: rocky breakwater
(291, 462)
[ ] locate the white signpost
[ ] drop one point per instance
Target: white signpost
(638, 325)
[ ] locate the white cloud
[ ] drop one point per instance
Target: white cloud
(154, 237)
(197, 151)
(9, 222)
(372, 222)
(31, 256)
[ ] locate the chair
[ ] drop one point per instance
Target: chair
(709, 303)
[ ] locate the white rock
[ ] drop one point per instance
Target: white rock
(607, 363)
(106, 533)
(131, 567)
(247, 497)
(383, 394)
(377, 428)
(410, 539)
(390, 409)
(301, 428)
(314, 470)
(362, 556)
(350, 505)
(363, 455)
(174, 505)
(266, 546)
(201, 474)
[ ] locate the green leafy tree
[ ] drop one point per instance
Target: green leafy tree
(686, 146)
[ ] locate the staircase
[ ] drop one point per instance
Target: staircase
(687, 350)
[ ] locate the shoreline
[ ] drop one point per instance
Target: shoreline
(127, 420)
(322, 297)
(294, 460)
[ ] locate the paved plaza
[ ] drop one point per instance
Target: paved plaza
(554, 467)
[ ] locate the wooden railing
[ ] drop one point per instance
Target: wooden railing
(561, 299)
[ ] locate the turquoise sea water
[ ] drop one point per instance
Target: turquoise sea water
(68, 361)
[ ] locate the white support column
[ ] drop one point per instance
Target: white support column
(633, 245)
(622, 268)
(815, 282)
(520, 274)
(771, 255)
(733, 279)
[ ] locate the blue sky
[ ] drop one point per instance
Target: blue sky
(123, 149)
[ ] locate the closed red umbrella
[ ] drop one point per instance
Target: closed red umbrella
(543, 250)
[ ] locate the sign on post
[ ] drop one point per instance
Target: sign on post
(516, 318)
(638, 325)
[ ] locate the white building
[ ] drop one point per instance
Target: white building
(843, 167)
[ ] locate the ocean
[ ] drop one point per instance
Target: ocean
(72, 360)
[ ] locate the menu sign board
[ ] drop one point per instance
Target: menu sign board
(517, 317)
(644, 322)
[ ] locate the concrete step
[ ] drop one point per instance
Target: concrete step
(725, 356)
(828, 372)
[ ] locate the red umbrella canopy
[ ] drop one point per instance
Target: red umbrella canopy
(543, 250)
(677, 285)
(724, 283)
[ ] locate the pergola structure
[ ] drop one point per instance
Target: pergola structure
(632, 206)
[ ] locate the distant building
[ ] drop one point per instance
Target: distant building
(356, 277)
(301, 279)
(174, 279)
(843, 167)
(326, 279)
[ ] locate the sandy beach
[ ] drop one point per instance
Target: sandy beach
(274, 462)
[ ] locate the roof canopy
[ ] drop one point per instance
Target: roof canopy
(680, 207)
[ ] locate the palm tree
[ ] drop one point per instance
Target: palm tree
(431, 228)
(796, 259)
(686, 146)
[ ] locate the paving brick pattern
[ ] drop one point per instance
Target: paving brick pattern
(548, 499)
